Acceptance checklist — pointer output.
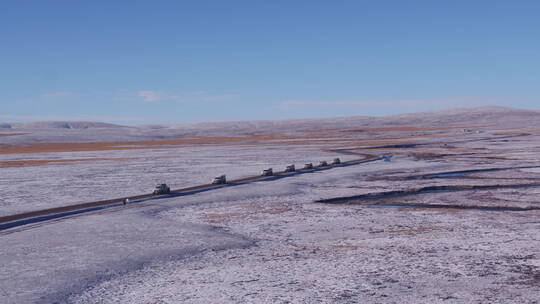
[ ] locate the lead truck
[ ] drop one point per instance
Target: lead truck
(162, 189)
(219, 180)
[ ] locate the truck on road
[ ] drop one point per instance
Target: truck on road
(267, 172)
(162, 189)
(218, 180)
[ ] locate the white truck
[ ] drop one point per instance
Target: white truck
(290, 168)
(308, 166)
(322, 163)
(267, 172)
(219, 180)
(162, 189)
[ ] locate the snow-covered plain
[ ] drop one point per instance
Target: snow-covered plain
(269, 241)
(136, 172)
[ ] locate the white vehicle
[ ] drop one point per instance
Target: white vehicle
(290, 168)
(308, 166)
(322, 163)
(218, 180)
(162, 189)
(336, 161)
(267, 172)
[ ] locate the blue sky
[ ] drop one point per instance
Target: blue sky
(141, 62)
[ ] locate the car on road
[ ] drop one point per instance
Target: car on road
(336, 161)
(290, 168)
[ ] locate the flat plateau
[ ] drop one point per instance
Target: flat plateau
(285, 240)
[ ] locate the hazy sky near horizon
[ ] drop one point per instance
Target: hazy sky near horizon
(140, 62)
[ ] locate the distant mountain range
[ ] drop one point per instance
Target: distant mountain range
(58, 125)
(97, 131)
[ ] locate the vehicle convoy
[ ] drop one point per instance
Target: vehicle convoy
(322, 163)
(162, 189)
(267, 172)
(308, 166)
(290, 168)
(336, 161)
(218, 180)
(10, 221)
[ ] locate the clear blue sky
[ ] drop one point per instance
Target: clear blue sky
(139, 62)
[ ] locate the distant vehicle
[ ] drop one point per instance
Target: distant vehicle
(162, 189)
(336, 161)
(387, 157)
(218, 180)
(322, 163)
(290, 168)
(308, 166)
(267, 172)
(125, 201)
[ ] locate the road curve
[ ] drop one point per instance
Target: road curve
(16, 220)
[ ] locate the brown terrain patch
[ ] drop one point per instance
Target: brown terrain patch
(27, 163)
(317, 137)
(428, 154)
(222, 217)
(11, 134)
(30, 148)
(376, 143)
(226, 217)
(501, 157)
(420, 136)
(518, 132)
(27, 148)
(402, 129)
(346, 247)
(413, 230)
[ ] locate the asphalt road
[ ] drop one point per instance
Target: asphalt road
(21, 219)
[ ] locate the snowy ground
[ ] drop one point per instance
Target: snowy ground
(269, 241)
(136, 172)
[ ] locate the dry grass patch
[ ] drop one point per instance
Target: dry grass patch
(222, 217)
(428, 155)
(27, 163)
(396, 128)
(413, 230)
(374, 143)
(518, 132)
(434, 135)
(11, 134)
(346, 247)
(28, 148)
(249, 212)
